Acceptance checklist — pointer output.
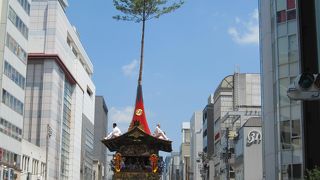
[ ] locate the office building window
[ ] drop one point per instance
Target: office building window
(16, 49)
(14, 75)
(291, 4)
(25, 5)
(10, 130)
(281, 16)
(286, 10)
(12, 102)
(10, 158)
(65, 148)
(291, 15)
(20, 25)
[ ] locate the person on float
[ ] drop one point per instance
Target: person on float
(115, 132)
(158, 133)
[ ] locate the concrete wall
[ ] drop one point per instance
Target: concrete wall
(252, 157)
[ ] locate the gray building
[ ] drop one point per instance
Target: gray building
(196, 144)
(185, 166)
(87, 146)
(248, 151)
(208, 138)
(235, 100)
(289, 43)
(172, 165)
(167, 168)
(100, 131)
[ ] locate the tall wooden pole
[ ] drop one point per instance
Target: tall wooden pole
(142, 43)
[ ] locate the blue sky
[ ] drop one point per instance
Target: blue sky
(187, 54)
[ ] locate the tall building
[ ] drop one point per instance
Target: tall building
(196, 144)
(235, 100)
(185, 165)
(167, 168)
(289, 39)
(100, 131)
(172, 165)
(208, 138)
(60, 94)
(14, 36)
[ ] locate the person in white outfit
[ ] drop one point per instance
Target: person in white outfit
(158, 133)
(115, 132)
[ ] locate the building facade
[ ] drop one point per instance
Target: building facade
(208, 138)
(196, 144)
(87, 148)
(60, 94)
(172, 165)
(100, 131)
(14, 36)
(185, 166)
(33, 162)
(236, 99)
(289, 42)
(248, 151)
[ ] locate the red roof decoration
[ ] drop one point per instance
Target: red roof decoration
(139, 117)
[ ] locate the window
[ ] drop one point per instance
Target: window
(89, 92)
(291, 15)
(12, 102)
(10, 129)
(291, 4)
(25, 5)
(14, 75)
(15, 19)
(16, 49)
(281, 16)
(285, 134)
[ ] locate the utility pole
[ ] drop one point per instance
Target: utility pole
(227, 154)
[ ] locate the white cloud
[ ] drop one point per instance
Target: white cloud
(121, 115)
(246, 32)
(130, 69)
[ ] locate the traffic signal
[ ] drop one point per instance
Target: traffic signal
(306, 86)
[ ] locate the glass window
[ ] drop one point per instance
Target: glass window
(15, 19)
(284, 100)
(285, 134)
(294, 69)
(283, 71)
(296, 134)
(281, 16)
(281, 5)
(291, 4)
(292, 27)
(283, 50)
(291, 15)
(16, 49)
(282, 29)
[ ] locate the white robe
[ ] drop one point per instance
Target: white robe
(160, 134)
(115, 133)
